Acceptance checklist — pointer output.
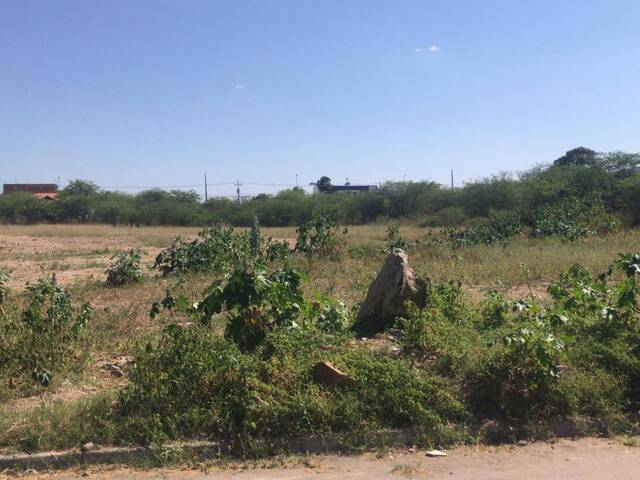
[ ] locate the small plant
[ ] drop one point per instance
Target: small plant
(255, 239)
(319, 237)
(394, 240)
(126, 268)
(4, 289)
(331, 316)
(41, 340)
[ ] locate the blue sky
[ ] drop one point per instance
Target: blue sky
(136, 93)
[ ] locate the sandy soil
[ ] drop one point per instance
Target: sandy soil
(584, 459)
(74, 259)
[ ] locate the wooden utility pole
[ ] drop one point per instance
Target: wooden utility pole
(452, 179)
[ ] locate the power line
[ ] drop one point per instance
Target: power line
(195, 185)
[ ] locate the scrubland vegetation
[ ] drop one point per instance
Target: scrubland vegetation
(221, 331)
(579, 191)
(530, 328)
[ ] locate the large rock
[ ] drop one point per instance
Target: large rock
(395, 284)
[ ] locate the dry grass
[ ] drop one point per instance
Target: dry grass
(80, 254)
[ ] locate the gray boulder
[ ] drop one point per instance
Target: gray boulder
(395, 284)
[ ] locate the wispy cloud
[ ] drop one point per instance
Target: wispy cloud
(238, 86)
(432, 49)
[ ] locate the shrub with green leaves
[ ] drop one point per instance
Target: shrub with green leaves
(394, 239)
(42, 339)
(319, 237)
(255, 300)
(573, 218)
(216, 249)
(220, 250)
(126, 268)
(520, 361)
(502, 225)
(193, 383)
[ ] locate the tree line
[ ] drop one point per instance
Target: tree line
(582, 182)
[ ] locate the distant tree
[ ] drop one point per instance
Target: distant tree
(577, 157)
(324, 184)
(189, 196)
(153, 195)
(261, 197)
(81, 187)
(77, 200)
(620, 164)
(22, 207)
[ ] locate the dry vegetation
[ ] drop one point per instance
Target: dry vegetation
(79, 256)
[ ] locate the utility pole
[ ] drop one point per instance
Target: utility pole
(238, 189)
(452, 179)
(206, 194)
(296, 180)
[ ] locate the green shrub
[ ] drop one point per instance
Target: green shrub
(519, 361)
(502, 225)
(573, 218)
(518, 378)
(220, 250)
(255, 301)
(126, 268)
(216, 249)
(42, 339)
(319, 237)
(394, 240)
(192, 383)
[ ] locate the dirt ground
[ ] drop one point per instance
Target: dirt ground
(584, 459)
(74, 258)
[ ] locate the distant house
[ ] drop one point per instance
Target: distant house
(47, 196)
(44, 191)
(346, 188)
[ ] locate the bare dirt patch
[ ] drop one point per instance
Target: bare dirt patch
(584, 459)
(74, 259)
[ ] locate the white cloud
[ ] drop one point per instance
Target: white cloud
(238, 86)
(432, 49)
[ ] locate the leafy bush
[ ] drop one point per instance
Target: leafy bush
(41, 340)
(501, 227)
(319, 237)
(573, 218)
(255, 301)
(394, 240)
(518, 376)
(331, 316)
(192, 383)
(220, 250)
(519, 361)
(216, 249)
(126, 268)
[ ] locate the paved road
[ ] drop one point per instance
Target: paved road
(585, 459)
